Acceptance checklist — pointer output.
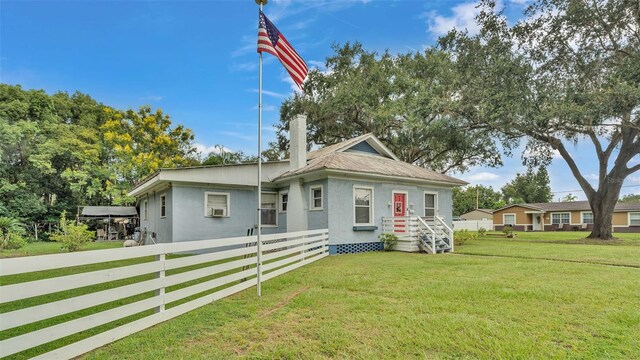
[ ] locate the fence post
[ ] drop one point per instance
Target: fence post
(259, 263)
(160, 275)
(304, 244)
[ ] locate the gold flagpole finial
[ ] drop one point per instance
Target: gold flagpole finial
(262, 2)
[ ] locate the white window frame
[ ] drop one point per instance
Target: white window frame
(561, 213)
(504, 219)
(371, 205)
(206, 198)
(435, 202)
(629, 216)
(281, 210)
(582, 217)
(163, 199)
(276, 209)
(145, 209)
(311, 198)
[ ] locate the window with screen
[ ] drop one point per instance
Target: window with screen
(363, 205)
(163, 206)
(587, 218)
(430, 201)
(560, 218)
(316, 197)
(510, 219)
(268, 209)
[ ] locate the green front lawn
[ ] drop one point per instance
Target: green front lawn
(52, 247)
(399, 305)
(570, 237)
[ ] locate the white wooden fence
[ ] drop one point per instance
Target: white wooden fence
(473, 225)
(222, 267)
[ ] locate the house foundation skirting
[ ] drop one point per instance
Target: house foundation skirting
(630, 229)
(354, 248)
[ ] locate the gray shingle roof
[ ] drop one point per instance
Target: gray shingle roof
(370, 164)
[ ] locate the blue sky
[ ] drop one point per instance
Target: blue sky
(197, 60)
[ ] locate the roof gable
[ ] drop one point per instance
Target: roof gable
(363, 147)
(367, 143)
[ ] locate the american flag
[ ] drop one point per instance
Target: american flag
(272, 41)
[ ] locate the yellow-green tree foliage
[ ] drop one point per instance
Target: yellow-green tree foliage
(141, 142)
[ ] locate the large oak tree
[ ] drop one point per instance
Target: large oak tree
(568, 72)
(398, 98)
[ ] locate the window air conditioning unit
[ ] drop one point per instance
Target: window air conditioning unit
(218, 212)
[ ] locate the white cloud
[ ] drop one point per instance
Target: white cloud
(463, 16)
(246, 66)
(320, 65)
(482, 176)
(266, 107)
(592, 177)
(287, 78)
(207, 149)
(248, 47)
(242, 136)
(270, 93)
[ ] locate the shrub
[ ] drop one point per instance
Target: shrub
(462, 236)
(72, 236)
(507, 230)
(389, 241)
(482, 231)
(11, 234)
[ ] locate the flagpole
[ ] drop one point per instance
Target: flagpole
(259, 240)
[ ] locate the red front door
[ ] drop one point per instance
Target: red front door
(399, 204)
(400, 210)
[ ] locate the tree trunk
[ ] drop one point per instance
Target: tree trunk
(602, 205)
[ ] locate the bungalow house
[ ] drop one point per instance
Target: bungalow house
(574, 215)
(357, 189)
(478, 215)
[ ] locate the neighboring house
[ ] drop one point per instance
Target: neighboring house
(478, 214)
(347, 188)
(572, 215)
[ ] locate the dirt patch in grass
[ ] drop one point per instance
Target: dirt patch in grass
(284, 301)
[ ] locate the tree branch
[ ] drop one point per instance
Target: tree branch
(633, 169)
(602, 158)
(558, 145)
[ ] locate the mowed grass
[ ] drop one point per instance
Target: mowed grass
(567, 237)
(52, 247)
(400, 305)
(565, 246)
